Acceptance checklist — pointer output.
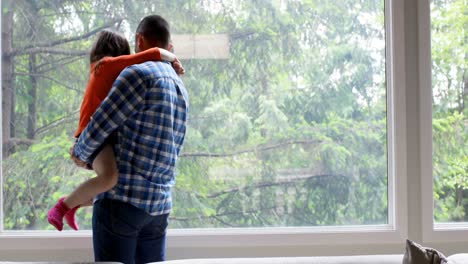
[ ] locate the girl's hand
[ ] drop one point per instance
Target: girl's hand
(76, 160)
(178, 67)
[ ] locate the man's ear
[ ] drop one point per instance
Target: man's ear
(140, 41)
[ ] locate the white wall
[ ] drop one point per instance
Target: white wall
(413, 192)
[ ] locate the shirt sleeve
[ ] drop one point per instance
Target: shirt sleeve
(125, 98)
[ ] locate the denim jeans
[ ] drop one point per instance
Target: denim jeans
(124, 233)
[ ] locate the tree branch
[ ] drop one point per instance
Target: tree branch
(49, 50)
(68, 13)
(287, 181)
(216, 216)
(14, 142)
(55, 123)
(251, 211)
(51, 79)
(56, 63)
(258, 148)
(33, 48)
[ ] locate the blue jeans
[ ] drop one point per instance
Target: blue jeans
(124, 233)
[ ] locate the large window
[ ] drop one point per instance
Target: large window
(450, 111)
(288, 119)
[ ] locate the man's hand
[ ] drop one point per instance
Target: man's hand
(76, 160)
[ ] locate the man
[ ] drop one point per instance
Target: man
(146, 110)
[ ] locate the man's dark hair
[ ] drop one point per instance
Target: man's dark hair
(155, 29)
(109, 44)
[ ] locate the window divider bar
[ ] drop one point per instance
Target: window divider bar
(425, 119)
(396, 116)
(1, 153)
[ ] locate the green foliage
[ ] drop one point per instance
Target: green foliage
(450, 123)
(34, 179)
(451, 167)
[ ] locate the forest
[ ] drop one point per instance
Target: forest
(288, 129)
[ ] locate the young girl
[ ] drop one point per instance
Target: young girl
(110, 54)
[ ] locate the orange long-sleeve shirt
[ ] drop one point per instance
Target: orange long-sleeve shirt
(101, 80)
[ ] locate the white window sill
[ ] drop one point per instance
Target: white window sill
(196, 238)
(453, 232)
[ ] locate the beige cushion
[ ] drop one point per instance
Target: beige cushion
(417, 254)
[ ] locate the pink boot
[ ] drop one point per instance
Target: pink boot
(70, 217)
(55, 215)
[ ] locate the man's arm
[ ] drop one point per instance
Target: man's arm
(124, 99)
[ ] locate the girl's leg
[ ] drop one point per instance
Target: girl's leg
(105, 167)
(70, 215)
(107, 175)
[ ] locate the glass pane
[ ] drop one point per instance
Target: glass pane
(450, 112)
(287, 123)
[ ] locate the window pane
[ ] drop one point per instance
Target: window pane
(450, 97)
(287, 123)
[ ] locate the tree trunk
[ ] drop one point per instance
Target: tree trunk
(465, 92)
(32, 92)
(32, 106)
(8, 102)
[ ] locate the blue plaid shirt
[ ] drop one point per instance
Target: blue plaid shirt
(147, 109)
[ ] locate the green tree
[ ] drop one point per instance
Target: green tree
(450, 96)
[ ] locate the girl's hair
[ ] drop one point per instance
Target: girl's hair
(109, 43)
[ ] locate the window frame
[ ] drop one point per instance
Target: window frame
(432, 231)
(394, 232)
